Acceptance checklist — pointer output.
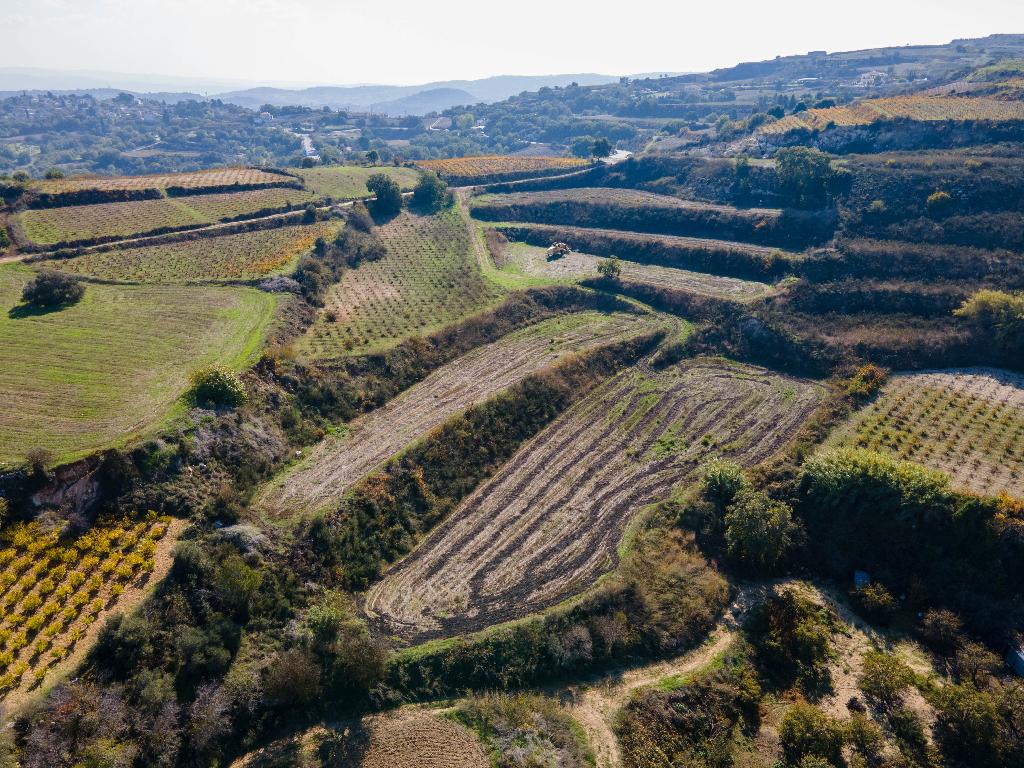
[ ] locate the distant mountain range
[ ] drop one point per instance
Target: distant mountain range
(396, 100)
(400, 100)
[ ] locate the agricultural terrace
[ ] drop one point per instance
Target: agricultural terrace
(968, 423)
(923, 108)
(637, 211)
(53, 591)
(411, 737)
(428, 279)
(550, 521)
(113, 366)
(84, 223)
(339, 461)
(486, 166)
(215, 177)
(348, 182)
(243, 256)
(533, 261)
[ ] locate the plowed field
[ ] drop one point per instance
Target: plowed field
(338, 462)
(550, 521)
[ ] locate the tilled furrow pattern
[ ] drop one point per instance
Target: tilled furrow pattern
(549, 523)
(337, 463)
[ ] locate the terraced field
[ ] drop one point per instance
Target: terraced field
(410, 737)
(968, 423)
(550, 521)
(348, 182)
(634, 210)
(338, 462)
(78, 223)
(242, 256)
(215, 177)
(113, 366)
(465, 169)
(428, 279)
(924, 108)
(533, 261)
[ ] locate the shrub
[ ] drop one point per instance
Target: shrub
(217, 386)
(805, 175)
(807, 731)
(884, 678)
(431, 193)
(758, 530)
(610, 269)
(793, 638)
(939, 203)
(874, 602)
(722, 481)
(53, 289)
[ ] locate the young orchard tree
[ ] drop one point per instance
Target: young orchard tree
(610, 269)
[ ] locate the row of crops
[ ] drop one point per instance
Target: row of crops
(51, 590)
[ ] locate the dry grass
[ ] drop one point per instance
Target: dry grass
(550, 521)
(968, 423)
(334, 465)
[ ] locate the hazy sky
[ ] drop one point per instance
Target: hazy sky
(415, 41)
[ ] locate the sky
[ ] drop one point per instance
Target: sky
(336, 42)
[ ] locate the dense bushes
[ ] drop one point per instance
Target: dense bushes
(384, 514)
(793, 639)
(906, 526)
(1000, 316)
(52, 289)
(695, 725)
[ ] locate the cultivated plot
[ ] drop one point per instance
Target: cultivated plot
(113, 365)
(84, 223)
(242, 256)
(968, 423)
(550, 521)
(533, 261)
(484, 166)
(339, 461)
(215, 177)
(428, 279)
(348, 182)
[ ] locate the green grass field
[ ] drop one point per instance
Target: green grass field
(73, 223)
(113, 366)
(348, 182)
(429, 278)
(242, 256)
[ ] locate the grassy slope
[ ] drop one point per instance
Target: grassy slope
(114, 365)
(348, 182)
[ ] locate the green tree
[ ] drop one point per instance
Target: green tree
(217, 386)
(387, 193)
(998, 315)
(431, 193)
(884, 678)
(610, 269)
(601, 148)
(52, 289)
(805, 175)
(758, 530)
